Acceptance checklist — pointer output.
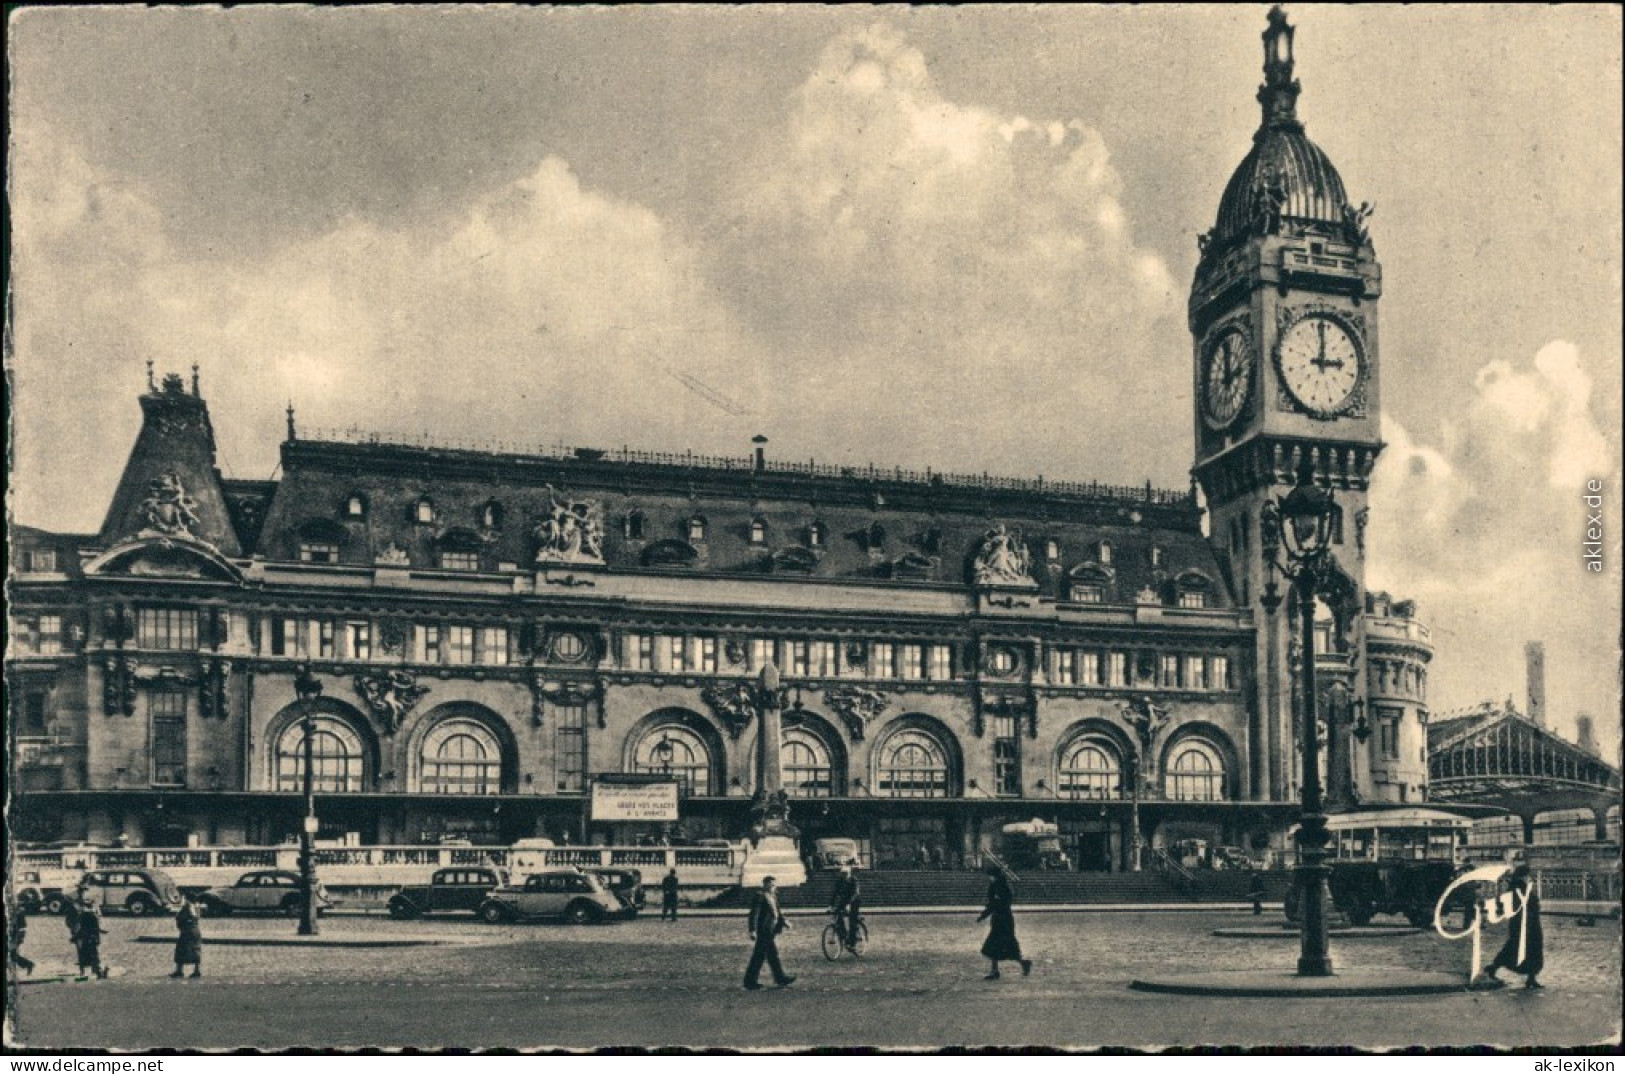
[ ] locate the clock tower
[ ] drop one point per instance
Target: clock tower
(1283, 320)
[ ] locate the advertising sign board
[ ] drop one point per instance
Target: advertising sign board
(639, 801)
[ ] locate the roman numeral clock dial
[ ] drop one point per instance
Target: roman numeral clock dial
(1320, 364)
(1228, 377)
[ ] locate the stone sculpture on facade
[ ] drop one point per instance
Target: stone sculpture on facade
(390, 695)
(168, 511)
(1355, 228)
(1003, 559)
(856, 705)
(1148, 719)
(571, 532)
(734, 703)
(393, 555)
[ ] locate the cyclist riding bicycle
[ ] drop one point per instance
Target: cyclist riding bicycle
(846, 906)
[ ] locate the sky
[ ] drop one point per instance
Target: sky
(950, 237)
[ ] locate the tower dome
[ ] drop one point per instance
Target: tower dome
(1285, 177)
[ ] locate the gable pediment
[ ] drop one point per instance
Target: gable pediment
(165, 557)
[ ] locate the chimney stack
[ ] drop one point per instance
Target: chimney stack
(1534, 654)
(761, 454)
(1587, 733)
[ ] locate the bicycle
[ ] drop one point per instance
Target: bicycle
(834, 942)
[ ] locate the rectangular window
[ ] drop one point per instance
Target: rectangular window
(1192, 599)
(1006, 756)
(941, 662)
(1195, 673)
(429, 643)
(50, 635)
(324, 638)
(1084, 593)
(42, 560)
(34, 713)
(882, 660)
(358, 640)
(1066, 667)
(1089, 668)
(1218, 673)
(761, 653)
(460, 561)
(1388, 731)
(796, 659)
(640, 651)
(570, 749)
(708, 655)
(167, 709)
(166, 628)
(1116, 669)
(1168, 671)
(673, 653)
(912, 665)
(459, 645)
(821, 660)
(284, 637)
(318, 552)
(1323, 637)
(494, 646)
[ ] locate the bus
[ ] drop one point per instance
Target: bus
(1391, 861)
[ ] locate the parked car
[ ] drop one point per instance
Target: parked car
(1232, 858)
(459, 890)
(626, 884)
(834, 853)
(44, 891)
(576, 896)
(263, 890)
(140, 891)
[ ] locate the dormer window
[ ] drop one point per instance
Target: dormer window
(758, 531)
(319, 540)
(1052, 550)
(875, 536)
(1104, 553)
(634, 526)
(460, 550)
(815, 535)
(1156, 557)
(696, 528)
(491, 515)
(42, 560)
(423, 512)
(318, 552)
(459, 561)
(1192, 590)
(355, 506)
(1087, 583)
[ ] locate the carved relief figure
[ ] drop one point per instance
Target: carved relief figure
(1354, 222)
(168, 509)
(856, 705)
(393, 555)
(1268, 198)
(1148, 719)
(1003, 558)
(571, 532)
(390, 695)
(734, 703)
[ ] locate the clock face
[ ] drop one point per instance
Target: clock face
(1320, 364)
(1228, 376)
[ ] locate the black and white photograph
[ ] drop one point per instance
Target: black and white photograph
(796, 529)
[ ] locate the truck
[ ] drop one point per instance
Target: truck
(1033, 844)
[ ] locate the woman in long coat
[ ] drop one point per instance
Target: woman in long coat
(189, 944)
(1001, 944)
(87, 940)
(1525, 932)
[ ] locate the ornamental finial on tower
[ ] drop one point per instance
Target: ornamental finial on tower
(1279, 93)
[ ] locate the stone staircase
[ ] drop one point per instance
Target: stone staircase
(921, 887)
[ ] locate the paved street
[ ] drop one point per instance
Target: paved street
(648, 983)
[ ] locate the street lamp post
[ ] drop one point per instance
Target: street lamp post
(1136, 840)
(1296, 538)
(309, 688)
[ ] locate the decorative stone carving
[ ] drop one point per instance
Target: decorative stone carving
(734, 650)
(392, 634)
(856, 705)
(545, 691)
(390, 695)
(213, 698)
(168, 511)
(1269, 196)
(393, 555)
(1003, 559)
(857, 654)
(796, 559)
(1361, 518)
(118, 687)
(1148, 719)
(1354, 223)
(735, 703)
(571, 532)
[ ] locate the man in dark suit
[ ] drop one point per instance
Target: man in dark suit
(766, 922)
(668, 896)
(846, 906)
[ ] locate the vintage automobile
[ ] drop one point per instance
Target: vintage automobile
(577, 896)
(831, 854)
(140, 891)
(263, 890)
(1033, 844)
(45, 890)
(459, 890)
(626, 884)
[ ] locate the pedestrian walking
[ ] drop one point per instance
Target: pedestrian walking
(1001, 944)
(87, 939)
(189, 942)
(1255, 890)
(1525, 949)
(766, 922)
(846, 906)
(16, 932)
(669, 886)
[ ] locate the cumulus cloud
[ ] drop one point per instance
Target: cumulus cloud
(1486, 530)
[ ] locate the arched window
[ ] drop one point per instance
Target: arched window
(1195, 773)
(808, 772)
(337, 757)
(913, 764)
(460, 757)
(677, 751)
(815, 535)
(424, 510)
(1090, 768)
(355, 505)
(1104, 553)
(491, 515)
(1052, 550)
(696, 528)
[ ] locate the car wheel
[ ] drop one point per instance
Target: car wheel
(56, 904)
(140, 905)
(493, 913)
(582, 913)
